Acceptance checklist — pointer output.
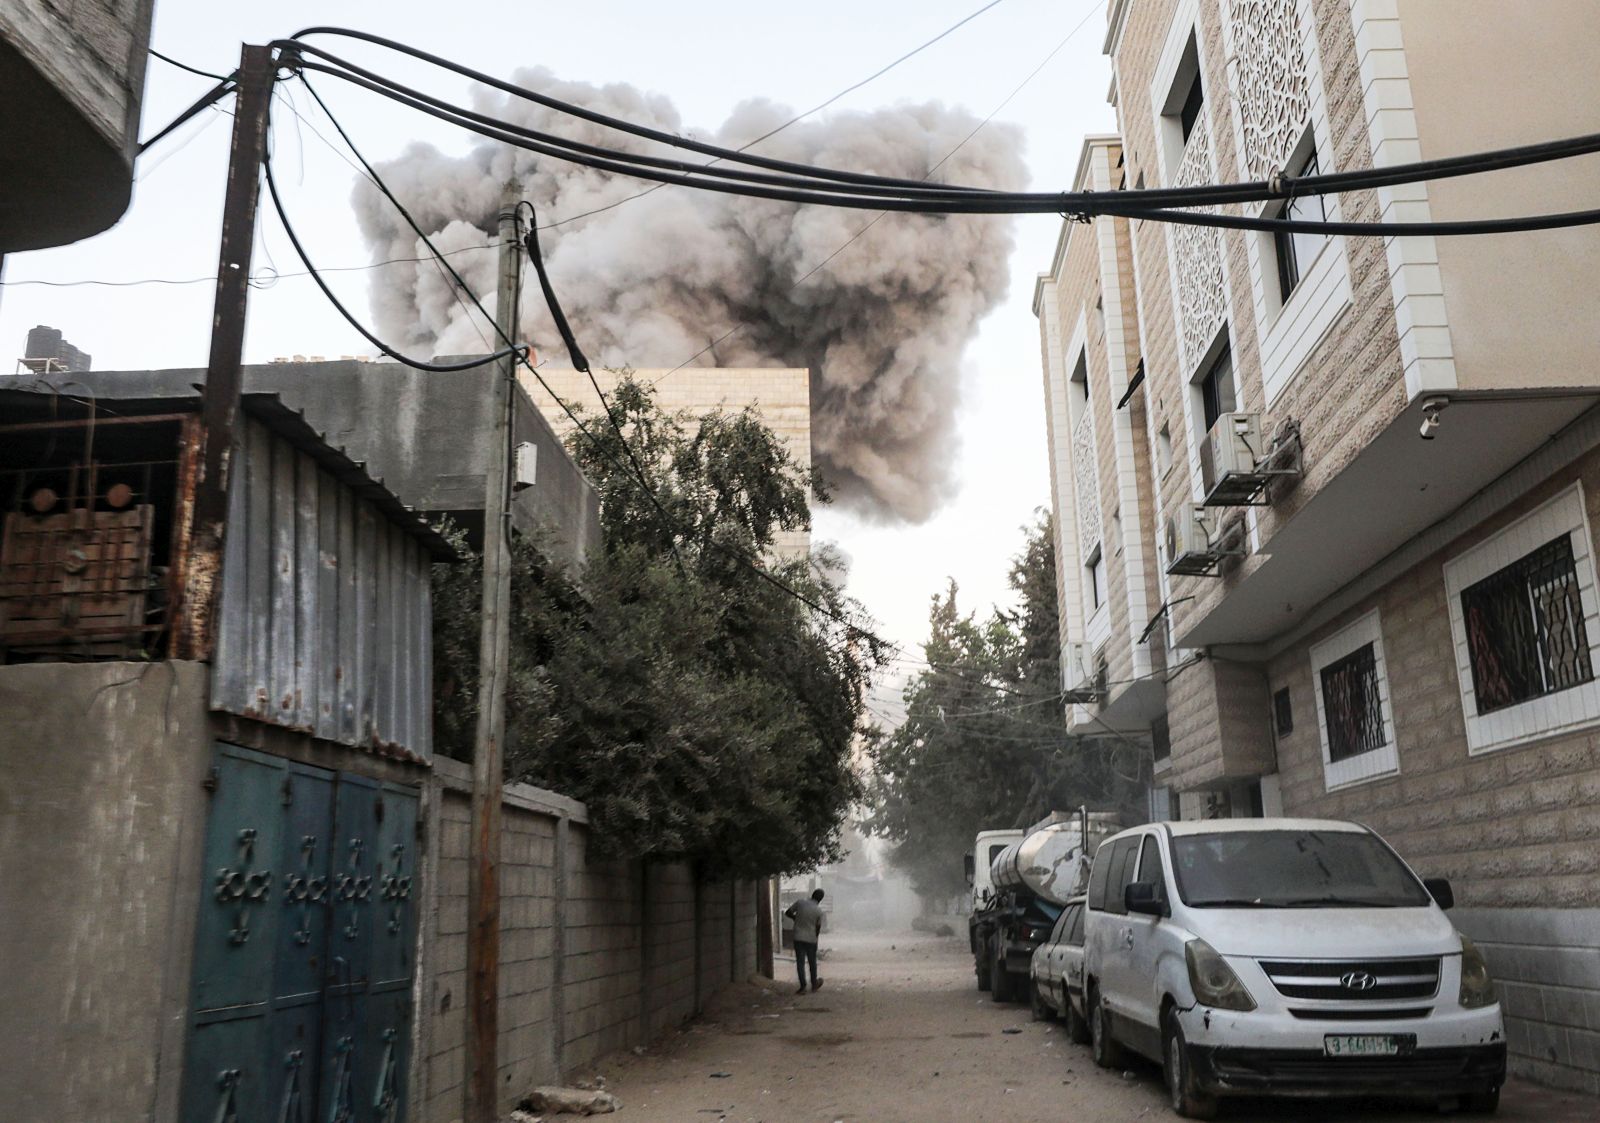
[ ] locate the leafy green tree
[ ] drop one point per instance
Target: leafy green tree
(984, 743)
(699, 708)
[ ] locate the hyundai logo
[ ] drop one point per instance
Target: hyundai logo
(1357, 980)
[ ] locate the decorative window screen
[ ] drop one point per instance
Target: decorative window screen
(1525, 630)
(1353, 707)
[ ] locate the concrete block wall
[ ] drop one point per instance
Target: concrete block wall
(596, 954)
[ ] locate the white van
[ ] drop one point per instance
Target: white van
(1284, 957)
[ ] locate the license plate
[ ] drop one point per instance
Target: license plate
(1361, 1045)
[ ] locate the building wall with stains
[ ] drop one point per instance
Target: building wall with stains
(101, 819)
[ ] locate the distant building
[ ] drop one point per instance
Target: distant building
(781, 394)
(47, 352)
(71, 82)
(1326, 503)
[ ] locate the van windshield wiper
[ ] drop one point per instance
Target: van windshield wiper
(1233, 903)
(1346, 902)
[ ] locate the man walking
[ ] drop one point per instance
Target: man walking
(807, 917)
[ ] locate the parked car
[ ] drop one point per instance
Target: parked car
(1284, 957)
(1057, 974)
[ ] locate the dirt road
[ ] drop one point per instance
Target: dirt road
(900, 1034)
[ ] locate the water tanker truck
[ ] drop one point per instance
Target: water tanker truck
(1020, 881)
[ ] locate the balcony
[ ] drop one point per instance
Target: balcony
(1394, 490)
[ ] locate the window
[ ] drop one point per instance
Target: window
(1063, 926)
(1096, 583)
(1193, 102)
(1164, 449)
(1354, 720)
(1525, 629)
(1352, 704)
(1296, 250)
(1078, 390)
(1216, 388)
(1123, 861)
(1283, 712)
(1099, 875)
(1289, 869)
(1150, 867)
(1160, 739)
(1075, 933)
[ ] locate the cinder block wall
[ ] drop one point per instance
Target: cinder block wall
(596, 955)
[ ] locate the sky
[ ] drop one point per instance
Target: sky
(706, 56)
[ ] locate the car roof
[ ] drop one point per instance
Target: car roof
(1229, 826)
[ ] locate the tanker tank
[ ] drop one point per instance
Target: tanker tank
(1052, 861)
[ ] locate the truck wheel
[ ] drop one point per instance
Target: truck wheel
(1001, 985)
(1107, 1053)
(1183, 1093)
(984, 979)
(1077, 1029)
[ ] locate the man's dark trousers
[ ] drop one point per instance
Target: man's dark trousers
(805, 953)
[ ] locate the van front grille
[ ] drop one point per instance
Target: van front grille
(1369, 980)
(1363, 1015)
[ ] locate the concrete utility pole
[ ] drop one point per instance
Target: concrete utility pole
(219, 401)
(481, 1102)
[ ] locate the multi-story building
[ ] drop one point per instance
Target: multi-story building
(1356, 572)
(782, 395)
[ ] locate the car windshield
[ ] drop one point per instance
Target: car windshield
(1292, 869)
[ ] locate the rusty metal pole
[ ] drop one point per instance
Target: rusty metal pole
(481, 1103)
(193, 635)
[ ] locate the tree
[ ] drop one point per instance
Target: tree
(699, 708)
(984, 744)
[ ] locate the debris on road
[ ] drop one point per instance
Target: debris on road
(571, 1101)
(1011, 1029)
(720, 1075)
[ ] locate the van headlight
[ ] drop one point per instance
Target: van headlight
(1477, 986)
(1214, 982)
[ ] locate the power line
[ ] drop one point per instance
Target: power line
(809, 184)
(170, 61)
(848, 242)
(793, 120)
(211, 279)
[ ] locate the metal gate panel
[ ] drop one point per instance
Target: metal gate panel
(305, 946)
(347, 1065)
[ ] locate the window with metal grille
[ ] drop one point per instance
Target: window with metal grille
(1160, 738)
(1283, 712)
(1353, 705)
(1525, 630)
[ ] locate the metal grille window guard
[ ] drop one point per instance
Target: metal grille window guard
(1353, 704)
(1526, 635)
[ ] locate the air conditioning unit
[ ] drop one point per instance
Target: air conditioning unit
(1191, 551)
(1230, 459)
(1075, 660)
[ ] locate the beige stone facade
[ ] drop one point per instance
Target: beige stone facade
(1399, 630)
(782, 395)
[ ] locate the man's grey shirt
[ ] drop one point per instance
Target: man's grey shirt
(807, 921)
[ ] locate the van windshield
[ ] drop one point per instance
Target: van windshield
(1292, 869)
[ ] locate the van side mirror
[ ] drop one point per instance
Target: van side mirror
(1144, 897)
(970, 867)
(1439, 889)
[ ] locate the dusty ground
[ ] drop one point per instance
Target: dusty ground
(900, 1034)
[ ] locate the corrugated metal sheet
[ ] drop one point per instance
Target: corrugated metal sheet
(325, 616)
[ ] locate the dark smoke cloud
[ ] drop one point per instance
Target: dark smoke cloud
(647, 284)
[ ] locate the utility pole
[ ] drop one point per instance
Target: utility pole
(193, 634)
(481, 1103)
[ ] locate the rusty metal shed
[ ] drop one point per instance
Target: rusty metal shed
(323, 612)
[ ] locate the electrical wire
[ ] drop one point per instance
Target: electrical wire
(854, 190)
(211, 279)
(222, 89)
(796, 119)
(170, 61)
(294, 240)
(848, 242)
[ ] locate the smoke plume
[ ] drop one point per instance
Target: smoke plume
(650, 282)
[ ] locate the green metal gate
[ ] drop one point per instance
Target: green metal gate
(304, 947)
